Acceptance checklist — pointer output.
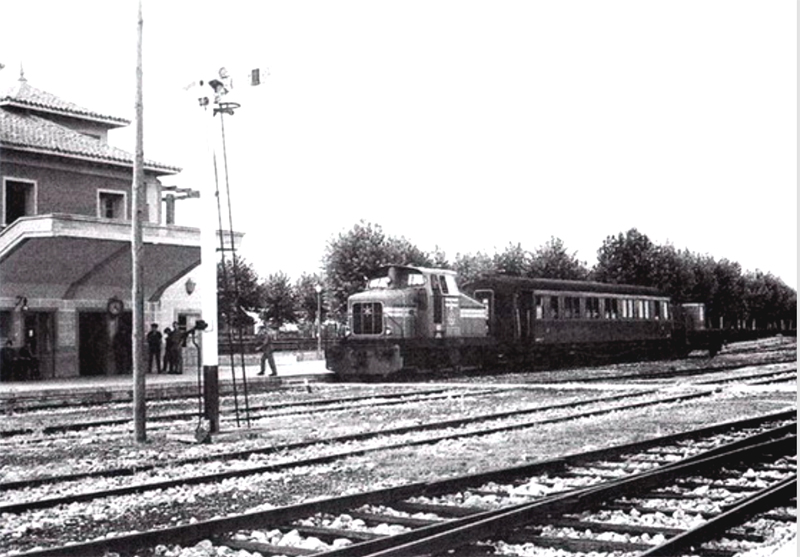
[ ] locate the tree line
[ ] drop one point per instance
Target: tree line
(734, 298)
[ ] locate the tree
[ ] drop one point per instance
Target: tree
(306, 290)
(250, 292)
(356, 254)
(438, 259)
(279, 302)
(729, 300)
(513, 261)
(626, 259)
(470, 266)
(551, 260)
(673, 273)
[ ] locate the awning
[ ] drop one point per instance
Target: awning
(68, 257)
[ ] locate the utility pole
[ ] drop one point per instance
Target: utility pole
(139, 408)
(318, 289)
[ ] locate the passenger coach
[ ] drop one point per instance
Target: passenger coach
(546, 321)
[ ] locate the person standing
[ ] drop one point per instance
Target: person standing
(266, 349)
(177, 346)
(169, 339)
(8, 361)
(154, 348)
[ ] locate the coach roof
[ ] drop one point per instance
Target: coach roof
(506, 283)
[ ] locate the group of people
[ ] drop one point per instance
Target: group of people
(173, 354)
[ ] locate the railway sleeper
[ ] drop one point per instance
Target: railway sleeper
(583, 545)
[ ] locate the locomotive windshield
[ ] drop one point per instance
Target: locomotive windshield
(397, 278)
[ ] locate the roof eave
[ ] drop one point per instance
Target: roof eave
(109, 121)
(161, 170)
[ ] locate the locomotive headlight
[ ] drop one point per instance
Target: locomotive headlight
(388, 331)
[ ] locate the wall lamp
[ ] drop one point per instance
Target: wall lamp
(22, 301)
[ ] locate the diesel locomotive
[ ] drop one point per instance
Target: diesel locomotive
(418, 319)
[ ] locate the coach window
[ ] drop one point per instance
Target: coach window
(572, 307)
(554, 307)
(539, 305)
(593, 308)
(612, 308)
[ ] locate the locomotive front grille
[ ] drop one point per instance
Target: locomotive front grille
(367, 318)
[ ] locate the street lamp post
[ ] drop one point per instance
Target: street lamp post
(318, 288)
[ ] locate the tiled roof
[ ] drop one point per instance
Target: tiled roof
(28, 132)
(25, 96)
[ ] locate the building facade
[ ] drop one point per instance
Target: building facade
(65, 237)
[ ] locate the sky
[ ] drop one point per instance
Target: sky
(467, 125)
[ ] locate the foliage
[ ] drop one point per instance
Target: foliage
(279, 302)
(731, 297)
(470, 266)
(513, 261)
(354, 255)
(438, 259)
(306, 295)
(552, 260)
(626, 259)
(242, 278)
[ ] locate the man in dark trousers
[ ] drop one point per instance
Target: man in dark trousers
(153, 348)
(266, 353)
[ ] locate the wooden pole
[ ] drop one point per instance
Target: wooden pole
(139, 408)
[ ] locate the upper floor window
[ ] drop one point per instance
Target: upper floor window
(19, 199)
(111, 205)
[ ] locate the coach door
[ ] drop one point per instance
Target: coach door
(40, 339)
(486, 297)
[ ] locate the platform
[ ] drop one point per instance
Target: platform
(293, 368)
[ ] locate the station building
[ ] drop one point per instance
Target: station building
(65, 239)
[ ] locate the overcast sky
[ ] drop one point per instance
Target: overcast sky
(468, 125)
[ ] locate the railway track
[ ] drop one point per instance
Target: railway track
(262, 411)
(715, 475)
(667, 374)
(242, 460)
(347, 403)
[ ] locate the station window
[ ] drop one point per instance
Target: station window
(554, 307)
(592, 308)
(612, 308)
(111, 205)
(539, 305)
(19, 199)
(572, 307)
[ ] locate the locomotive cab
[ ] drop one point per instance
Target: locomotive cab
(405, 314)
